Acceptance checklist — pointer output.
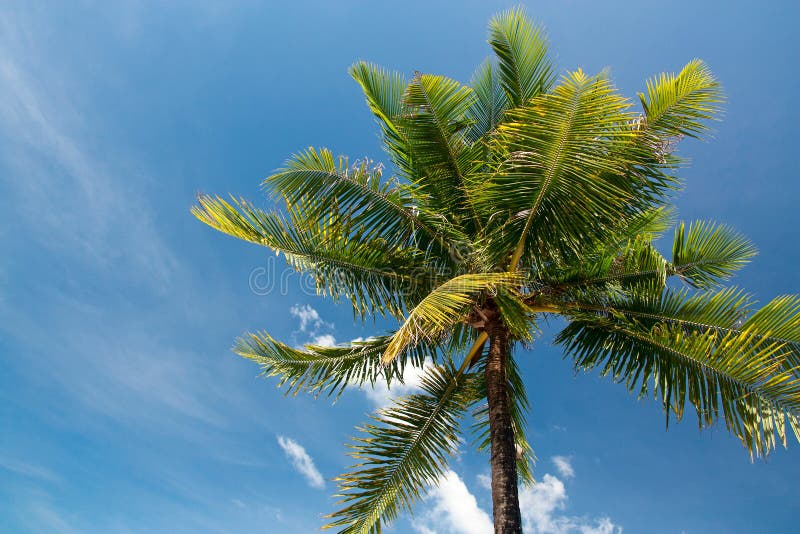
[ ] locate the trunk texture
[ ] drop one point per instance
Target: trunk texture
(505, 499)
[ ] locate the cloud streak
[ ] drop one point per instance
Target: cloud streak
(68, 195)
(302, 462)
(564, 466)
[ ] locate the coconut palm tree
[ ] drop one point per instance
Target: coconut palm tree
(519, 196)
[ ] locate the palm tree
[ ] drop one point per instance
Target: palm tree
(514, 198)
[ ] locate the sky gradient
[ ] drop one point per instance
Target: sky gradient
(122, 408)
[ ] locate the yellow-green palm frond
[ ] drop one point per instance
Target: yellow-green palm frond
(524, 68)
(563, 182)
(444, 307)
(435, 123)
(779, 321)
(329, 186)
(707, 253)
(403, 452)
(725, 311)
(384, 92)
(677, 105)
(490, 102)
(703, 255)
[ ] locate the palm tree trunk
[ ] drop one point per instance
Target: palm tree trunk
(505, 499)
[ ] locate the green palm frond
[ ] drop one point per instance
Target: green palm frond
(677, 105)
(724, 311)
(739, 374)
(490, 103)
(329, 186)
(707, 253)
(516, 314)
(384, 92)
(435, 123)
(648, 224)
(779, 320)
(562, 183)
(403, 452)
(641, 257)
(444, 307)
(374, 276)
(524, 69)
(636, 266)
(329, 370)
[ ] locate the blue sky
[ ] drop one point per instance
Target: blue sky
(121, 406)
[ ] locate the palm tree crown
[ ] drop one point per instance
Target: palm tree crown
(519, 195)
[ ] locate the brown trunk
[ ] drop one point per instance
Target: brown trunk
(505, 500)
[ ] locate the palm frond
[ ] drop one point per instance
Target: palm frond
(779, 320)
(329, 186)
(516, 314)
(650, 223)
(562, 182)
(490, 103)
(384, 92)
(328, 370)
(435, 123)
(373, 275)
(706, 253)
(444, 307)
(405, 450)
(521, 47)
(739, 374)
(678, 105)
(724, 311)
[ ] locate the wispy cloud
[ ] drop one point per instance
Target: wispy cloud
(28, 469)
(302, 461)
(309, 317)
(75, 201)
(564, 466)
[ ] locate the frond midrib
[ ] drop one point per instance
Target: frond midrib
(549, 175)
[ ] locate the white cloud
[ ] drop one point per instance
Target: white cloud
(540, 502)
(302, 461)
(381, 395)
(324, 340)
(541, 506)
(309, 317)
(455, 510)
(564, 466)
(314, 329)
